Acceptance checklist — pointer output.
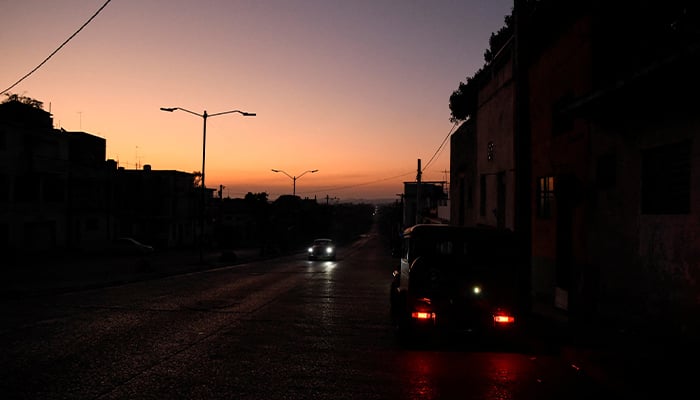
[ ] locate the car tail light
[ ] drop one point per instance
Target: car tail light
(503, 318)
(423, 311)
(423, 315)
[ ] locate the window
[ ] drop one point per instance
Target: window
(545, 196)
(666, 179)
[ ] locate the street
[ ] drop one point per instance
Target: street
(286, 328)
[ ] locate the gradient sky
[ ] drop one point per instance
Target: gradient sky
(356, 89)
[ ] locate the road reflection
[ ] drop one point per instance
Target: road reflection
(481, 375)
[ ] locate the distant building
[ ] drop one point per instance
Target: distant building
(59, 194)
(429, 205)
(160, 206)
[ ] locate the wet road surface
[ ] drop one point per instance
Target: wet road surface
(287, 328)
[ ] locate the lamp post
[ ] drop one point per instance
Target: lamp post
(294, 178)
(204, 117)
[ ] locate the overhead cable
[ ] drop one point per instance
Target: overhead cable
(440, 147)
(55, 51)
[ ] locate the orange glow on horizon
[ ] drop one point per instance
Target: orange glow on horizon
(335, 86)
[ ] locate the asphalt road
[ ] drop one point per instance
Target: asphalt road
(286, 328)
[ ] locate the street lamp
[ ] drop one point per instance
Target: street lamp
(204, 117)
(294, 178)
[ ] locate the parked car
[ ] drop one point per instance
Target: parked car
(322, 249)
(128, 246)
(456, 280)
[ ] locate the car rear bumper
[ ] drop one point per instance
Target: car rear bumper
(460, 318)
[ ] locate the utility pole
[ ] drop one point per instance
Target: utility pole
(419, 213)
(328, 198)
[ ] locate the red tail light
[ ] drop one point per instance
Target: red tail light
(423, 315)
(423, 310)
(501, 317)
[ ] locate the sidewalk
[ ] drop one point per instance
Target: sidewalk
(58, 275)
(631, 364)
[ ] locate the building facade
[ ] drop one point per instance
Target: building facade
(60, 195)
(608, 116)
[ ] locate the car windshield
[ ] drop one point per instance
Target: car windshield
(466, 251)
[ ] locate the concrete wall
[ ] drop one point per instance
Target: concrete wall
(463, 179)
(494, 146)
(558, 246)
(648, 264)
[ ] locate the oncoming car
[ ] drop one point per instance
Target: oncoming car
(457, 280)
(322, 249)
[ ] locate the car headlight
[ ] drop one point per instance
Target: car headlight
(329, 250)
(311, 250)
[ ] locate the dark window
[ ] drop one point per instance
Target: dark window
(545, 196)
(666, 179)
(482, 195)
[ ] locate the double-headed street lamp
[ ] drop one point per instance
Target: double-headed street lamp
(204, 117)
(294, 178)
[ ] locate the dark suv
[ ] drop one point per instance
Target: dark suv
(457, 279)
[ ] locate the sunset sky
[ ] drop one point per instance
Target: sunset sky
(356, 89)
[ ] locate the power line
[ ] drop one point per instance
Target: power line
(56, 51)
(338, 188)
(438, 151)
(440, 147)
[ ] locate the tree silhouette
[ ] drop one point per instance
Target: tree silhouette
(463, 101)
(197, 179)
(24, 100)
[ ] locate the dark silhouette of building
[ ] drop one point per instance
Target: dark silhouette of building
(597, 121)
(160, 206)
(60, 195)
